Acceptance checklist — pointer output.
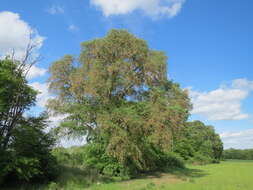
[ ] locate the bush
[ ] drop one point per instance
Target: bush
(201, 159)
(95, 157)
(62, 156)
(28, 157)
(173, 160)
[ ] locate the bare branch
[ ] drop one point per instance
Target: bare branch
(29, 58)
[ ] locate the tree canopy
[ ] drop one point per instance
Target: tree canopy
(117, 94)
(199, 142)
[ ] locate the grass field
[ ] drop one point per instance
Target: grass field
(229, 175)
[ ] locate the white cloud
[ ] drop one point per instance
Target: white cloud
(15, 35)
(239, 140)
(55, 9)
(73, 27)
(36, 72)
(43, 95)
(65, 142)
(54, 120)
(223, 103)
(242, 84)
(153, 8)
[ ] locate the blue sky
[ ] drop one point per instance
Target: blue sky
(208, 44)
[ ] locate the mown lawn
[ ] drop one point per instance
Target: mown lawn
(229, 175)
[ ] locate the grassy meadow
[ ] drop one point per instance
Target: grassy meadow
(228, 175)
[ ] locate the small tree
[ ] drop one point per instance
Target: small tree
(16, 96)
(24, 146)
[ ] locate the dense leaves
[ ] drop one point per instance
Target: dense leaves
(199, 143)
(15, 97)
(117, 95)
(24, 146)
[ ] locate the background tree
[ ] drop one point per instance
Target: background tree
(200, 143)
(246, 154)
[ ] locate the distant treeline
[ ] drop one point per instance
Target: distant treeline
(246, 154)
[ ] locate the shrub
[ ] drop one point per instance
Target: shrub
(95, 157)
(173, 160)
(201, 159)
(28, 157)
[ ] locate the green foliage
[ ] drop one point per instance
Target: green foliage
(24, 168)
(246, 154)
(200, 158)
(95, 157)
(62, 156)
(29, 154)
(16, 96)
(24, 146)
(118, 96)
(69, 156)
(199, 143)
(13, 88)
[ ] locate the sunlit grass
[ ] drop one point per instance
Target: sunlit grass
(229, 175)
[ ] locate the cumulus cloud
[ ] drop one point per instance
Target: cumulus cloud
(55, 9)
(153, 8)
(239, 140)
(42, 98)
(242, 84)
(54, 120)
(43, 95)
(223, 103)
(15, 36)
(36, 72)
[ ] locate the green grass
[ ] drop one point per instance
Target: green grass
(229, 175)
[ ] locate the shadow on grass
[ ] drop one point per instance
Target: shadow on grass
(80, 177)
(189, 172)
(69, 177)
(180, 173)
